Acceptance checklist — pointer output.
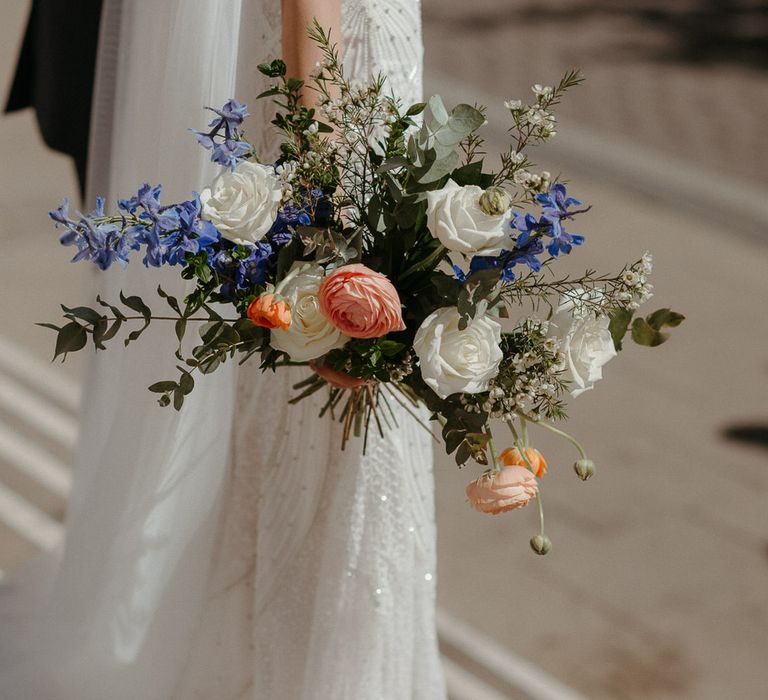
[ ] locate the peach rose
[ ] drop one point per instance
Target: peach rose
(512, 456)
(361, 303)
(510, 488)
(335, 377)
(265, 311)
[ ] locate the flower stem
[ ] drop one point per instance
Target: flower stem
(565, 435)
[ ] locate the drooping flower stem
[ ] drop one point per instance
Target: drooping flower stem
(565, 435)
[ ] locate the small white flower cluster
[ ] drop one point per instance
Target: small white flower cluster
(528, 380)
(635, 288)
(286, 173)
(533, 182)
(535, 118)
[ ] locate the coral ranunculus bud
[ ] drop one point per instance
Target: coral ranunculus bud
(512, 456)
(266, 311)
(541, 544)
(512, 487)
(584, 468)
(335, 377)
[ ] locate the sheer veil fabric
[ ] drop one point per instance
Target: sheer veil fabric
(231, 550)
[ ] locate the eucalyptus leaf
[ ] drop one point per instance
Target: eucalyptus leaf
(664, 317)
(618, 326)
(645, 334)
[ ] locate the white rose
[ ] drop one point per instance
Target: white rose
(242, 204)
(452, 360)
(455, 218)
(310, 335)
(585, 340)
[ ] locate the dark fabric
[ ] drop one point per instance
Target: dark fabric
(55, 73)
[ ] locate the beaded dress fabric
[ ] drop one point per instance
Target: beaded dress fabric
(326, 558)
(231, 550)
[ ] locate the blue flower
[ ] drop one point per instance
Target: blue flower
(555, 207)
(241, 273)
(95, 236)
(232, 114)
(229, 151)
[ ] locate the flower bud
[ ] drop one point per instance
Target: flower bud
(584, 468)
(495, 201)
(541, 544)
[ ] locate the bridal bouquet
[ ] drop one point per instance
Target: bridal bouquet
(381, 252)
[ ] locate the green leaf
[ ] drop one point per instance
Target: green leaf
(186, 383)
(83, 312)
(178, 398)
(136, 304)
(274, 69)
(470, 174)
(464, 453)
(437, 109)
(415, 109)
(618, 326)
(162, 387)
(180, 327)
(112, 331)
(52, 326)
(99, 331)
(664, 317)
(117, 312)
(645, 334)
(72, 337)
(172, 302)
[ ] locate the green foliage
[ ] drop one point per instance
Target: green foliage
(618, 326)
(647, 331)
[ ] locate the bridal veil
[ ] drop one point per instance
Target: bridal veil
(230, 550)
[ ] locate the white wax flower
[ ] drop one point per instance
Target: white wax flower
(310, 335)
(242, 204)
(456, 219)
(453, 360)
(584, 338)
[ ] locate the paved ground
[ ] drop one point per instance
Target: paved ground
(656, 587)
(657, 583)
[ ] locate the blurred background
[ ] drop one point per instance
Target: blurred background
(657, 583)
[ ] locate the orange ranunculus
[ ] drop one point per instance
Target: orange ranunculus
(335, 377)
(512, 456)
(512, 487)
(265, 311)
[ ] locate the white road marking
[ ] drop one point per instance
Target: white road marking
(531, 680)
(462, 685)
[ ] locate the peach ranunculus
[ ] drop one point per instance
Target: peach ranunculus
(512, 487)
(266, 311)
(512, 456)
(335, 377)
(361, 303)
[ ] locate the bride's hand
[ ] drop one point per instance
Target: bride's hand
(300, 54)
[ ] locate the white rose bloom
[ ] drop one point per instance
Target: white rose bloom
(242, 204)
(458, 361)
(455, 218)
(585, 340)
(311, 335)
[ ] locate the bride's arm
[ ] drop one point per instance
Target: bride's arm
(301, 54)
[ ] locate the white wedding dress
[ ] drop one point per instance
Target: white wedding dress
(232, 550)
